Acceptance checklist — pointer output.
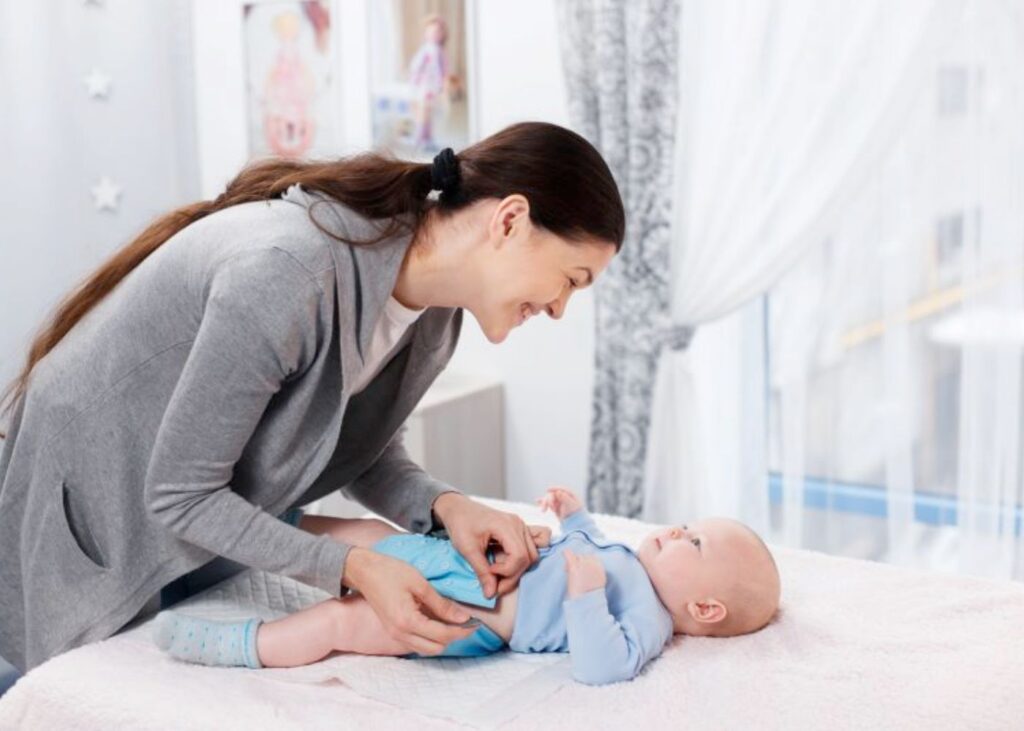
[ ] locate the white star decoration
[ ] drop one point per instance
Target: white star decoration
(105, 194)
(98, 84)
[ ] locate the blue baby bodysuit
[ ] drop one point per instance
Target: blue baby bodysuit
(610, 633)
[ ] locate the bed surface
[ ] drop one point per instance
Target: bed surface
(856, 645)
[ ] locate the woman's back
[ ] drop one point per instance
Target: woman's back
(75, 462)
(158, 305)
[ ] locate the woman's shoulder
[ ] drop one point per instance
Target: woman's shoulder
(249, 232)
(334, 220)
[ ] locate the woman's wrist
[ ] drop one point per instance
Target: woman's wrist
(355, 567)
(444, 504)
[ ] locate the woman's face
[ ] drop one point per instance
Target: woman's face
(528, 270)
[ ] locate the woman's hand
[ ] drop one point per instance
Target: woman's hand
(406, 604)
(583, 573)
(472, 527)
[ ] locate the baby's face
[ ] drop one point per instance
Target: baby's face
(688, 562)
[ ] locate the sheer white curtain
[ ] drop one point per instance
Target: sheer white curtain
(811, 144)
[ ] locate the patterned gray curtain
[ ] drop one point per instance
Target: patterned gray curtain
(619, 58)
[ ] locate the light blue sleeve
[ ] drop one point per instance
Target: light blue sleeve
(603, 648)
(584, 521)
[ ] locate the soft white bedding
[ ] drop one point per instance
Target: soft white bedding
(856, 645)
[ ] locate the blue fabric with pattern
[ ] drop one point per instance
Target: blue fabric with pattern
(452, 576)
(444, 567)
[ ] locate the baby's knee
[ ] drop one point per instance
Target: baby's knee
(376, 530)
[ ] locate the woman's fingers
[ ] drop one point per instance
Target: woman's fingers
(441, 607)
(420, 645)
(531, 545)
(478, 560)
(439, 633)
(515, 540)
(507, 584)
(424, 634)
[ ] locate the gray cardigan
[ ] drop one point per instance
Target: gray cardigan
(207, 393)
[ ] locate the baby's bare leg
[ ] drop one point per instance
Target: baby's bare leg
(363, 532)
(346, 625)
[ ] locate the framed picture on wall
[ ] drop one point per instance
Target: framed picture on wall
(291, 79)
(421, 98)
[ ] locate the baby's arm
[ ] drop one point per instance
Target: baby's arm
(564, 503)
(603, 648)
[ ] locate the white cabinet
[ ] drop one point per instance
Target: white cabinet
(455, 433)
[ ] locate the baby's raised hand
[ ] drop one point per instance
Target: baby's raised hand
(583, 573)
(562, 501)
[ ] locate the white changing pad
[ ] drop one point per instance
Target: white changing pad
(464, 689)
(856, 645)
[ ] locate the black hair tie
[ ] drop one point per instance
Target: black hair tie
(444, 171)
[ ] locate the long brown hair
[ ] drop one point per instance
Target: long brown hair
(570, 189)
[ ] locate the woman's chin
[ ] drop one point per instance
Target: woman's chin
(495, 332)
(499, 336)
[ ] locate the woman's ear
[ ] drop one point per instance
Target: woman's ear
(510, 216)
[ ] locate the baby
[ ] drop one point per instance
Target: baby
(613, 609)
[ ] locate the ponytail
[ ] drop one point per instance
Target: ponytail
(570, 189)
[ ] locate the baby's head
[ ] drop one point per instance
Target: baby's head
(716, 576)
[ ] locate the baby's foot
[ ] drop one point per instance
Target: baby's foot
(206, 641)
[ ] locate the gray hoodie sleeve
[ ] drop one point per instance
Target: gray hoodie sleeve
(256, 331)
(409, 505)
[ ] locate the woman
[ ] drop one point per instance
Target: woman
(251, 354)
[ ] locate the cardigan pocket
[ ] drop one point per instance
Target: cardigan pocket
(80, 544)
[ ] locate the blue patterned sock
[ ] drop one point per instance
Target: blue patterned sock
(207, 641)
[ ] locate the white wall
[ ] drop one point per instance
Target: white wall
(56, 142)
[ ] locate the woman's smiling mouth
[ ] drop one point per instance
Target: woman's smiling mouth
(525, 313)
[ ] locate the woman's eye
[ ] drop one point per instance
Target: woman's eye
(695, 541)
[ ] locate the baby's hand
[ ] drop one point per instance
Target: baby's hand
(540, 534)
(560, 500)
(585, 573)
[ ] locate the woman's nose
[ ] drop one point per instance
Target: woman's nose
(557, 308)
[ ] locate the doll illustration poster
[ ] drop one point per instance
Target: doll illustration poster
(418, 59)
(289, 78)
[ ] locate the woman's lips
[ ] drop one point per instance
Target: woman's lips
(525, 313)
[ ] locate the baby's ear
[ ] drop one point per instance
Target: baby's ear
(708, 612)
